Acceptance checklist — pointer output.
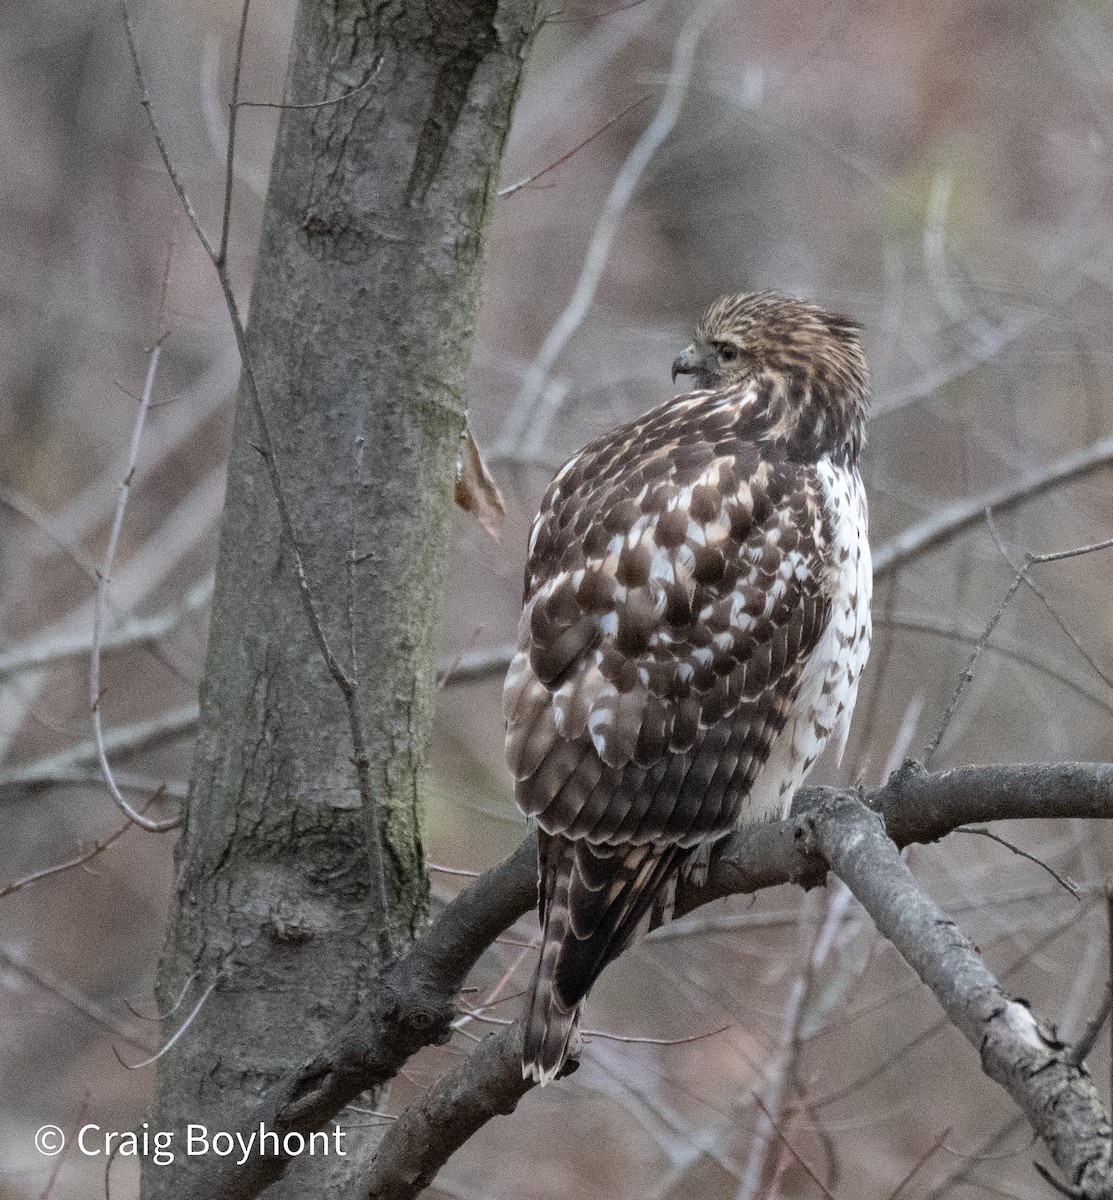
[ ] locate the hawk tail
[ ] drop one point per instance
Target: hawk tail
(592, 900)
(549, 1026)
(550, 1022)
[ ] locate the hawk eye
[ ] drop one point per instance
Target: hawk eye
(727, 353)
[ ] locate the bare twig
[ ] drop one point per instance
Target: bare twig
(1042, 597)
(967, 675)
(523, 183)
(104, 579)
(177, 1034)
(230, 153)
(171, 1010)
(432, 866)
(97, 848)
(981, 1154)
(631, 1040)
(520, 418)
(317, 103)
(994, 837)
(1082, 1047)
(919, 1164)
(792, 1149)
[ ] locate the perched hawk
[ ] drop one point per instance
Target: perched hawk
(696, 621)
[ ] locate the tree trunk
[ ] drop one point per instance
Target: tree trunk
(360, 335)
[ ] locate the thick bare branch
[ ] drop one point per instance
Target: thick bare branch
(412, 1004)
(488, 1083)
(1017, 1050)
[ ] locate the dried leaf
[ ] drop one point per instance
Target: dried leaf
(476, 490)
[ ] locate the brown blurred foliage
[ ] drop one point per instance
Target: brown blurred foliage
(942, 172)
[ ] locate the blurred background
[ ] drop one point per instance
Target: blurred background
(942, 173)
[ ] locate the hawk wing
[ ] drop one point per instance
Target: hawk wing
(675, 588)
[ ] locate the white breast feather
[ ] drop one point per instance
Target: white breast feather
(838, 658)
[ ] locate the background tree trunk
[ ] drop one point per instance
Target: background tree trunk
(360, 335)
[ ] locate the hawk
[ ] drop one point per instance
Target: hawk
(696, 621)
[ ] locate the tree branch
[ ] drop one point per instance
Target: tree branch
(412, 1004)
(488, 1083)
(1017, 1050)
(915, 806)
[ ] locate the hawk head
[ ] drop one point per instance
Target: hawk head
(801, 369)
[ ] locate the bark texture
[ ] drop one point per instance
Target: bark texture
(359, 340)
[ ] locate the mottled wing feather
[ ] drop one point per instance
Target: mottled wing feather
(672, 583)
(675, 588)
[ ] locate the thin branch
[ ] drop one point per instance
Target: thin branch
(940, 528)
(1042, 597)
(631, 1040)
(993, 837)
(145, 101)
(968, 671)
(177, 1035)
(522, 183)
(104, 579)
(432, 866)
(477, 666)
(230, 153)
(158, 1017)
(1081, 1049)
(520, 418)
(317, 103)
(981, 1154)
(919, 1164)
(792, 1149)
(1030, 560)
(98, 848)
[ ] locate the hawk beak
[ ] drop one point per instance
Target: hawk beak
(693, 360)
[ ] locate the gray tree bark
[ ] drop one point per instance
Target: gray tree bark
(300, 864)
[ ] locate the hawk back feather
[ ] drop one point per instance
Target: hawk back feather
(696, 620)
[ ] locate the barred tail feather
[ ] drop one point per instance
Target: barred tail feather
(592, 901)
(549, 1026)
(549, 1022)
